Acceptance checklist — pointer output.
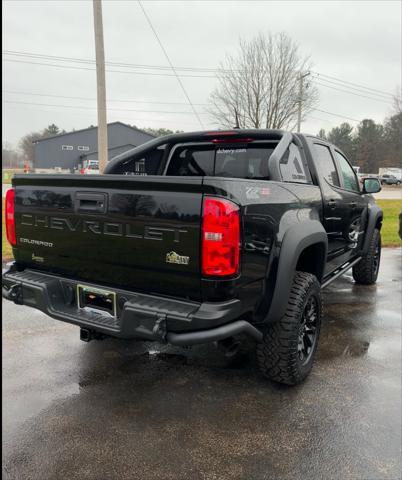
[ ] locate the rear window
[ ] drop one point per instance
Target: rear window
(249, 161)
(192, 161)
(246, 162)
(240, 161)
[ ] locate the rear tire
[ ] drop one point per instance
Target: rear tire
(366, 271)
(287, 352)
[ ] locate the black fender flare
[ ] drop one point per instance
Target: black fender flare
(375, 216)
(296, 239)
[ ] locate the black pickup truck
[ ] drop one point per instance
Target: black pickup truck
(198, 237)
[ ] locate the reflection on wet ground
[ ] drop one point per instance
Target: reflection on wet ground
(122, 409)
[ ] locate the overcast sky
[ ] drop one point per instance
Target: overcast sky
(357, 42)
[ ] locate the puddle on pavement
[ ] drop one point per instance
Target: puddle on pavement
(339, 308)
(160, 361)
(341, 345)
(357, 349)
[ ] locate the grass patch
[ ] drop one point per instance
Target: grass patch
(9, 172)
(390, 224)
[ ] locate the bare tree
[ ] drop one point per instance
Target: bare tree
(27, 142)
(27, 145)
(259, 86)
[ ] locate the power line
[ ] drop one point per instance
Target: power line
(352, 93)
(94, 108)
(339, 84)
(147, 111)
(319, 119)
(93, 98)
(170, 75)
(117, 64)
(323, 77)
(336, 115)
(111, 71)
(142, 119)
(170, 63)
(354, 84)
(347, 87)
(176, 75)
(129, 110)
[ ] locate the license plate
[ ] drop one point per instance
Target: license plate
(96, 299)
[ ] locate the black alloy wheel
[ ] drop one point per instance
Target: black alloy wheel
(308, 330)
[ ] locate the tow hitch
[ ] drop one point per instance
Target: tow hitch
(86, 335)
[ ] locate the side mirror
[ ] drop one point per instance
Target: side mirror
(371, 185)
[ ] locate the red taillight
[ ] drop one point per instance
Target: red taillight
(10, 217)
(220, 237)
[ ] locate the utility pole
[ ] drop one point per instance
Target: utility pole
(101, 86)
(299, 112)
(237, 119)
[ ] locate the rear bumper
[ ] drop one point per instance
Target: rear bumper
(139, 315)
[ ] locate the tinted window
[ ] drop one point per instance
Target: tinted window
(250, 161)
(191, 161)
(325, 165)
(291, 166)
(243, 162)
(146, 164)
(348, 174)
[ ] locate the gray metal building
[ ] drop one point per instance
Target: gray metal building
(69, 150)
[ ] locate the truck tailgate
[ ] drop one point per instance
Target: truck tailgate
(140, 233)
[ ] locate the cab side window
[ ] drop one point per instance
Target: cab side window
(325, 165)
(349, 178)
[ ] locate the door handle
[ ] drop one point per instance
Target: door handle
(353, 204)
(331, 204)
(90, 202)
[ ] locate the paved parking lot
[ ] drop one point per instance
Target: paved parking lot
(389, 193)
(128, 410)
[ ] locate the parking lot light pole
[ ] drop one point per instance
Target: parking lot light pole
(101, 86)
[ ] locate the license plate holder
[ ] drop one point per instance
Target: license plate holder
(96, 299)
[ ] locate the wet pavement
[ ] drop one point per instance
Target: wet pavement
(129, 410)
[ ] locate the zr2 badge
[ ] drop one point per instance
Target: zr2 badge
(173, 257)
